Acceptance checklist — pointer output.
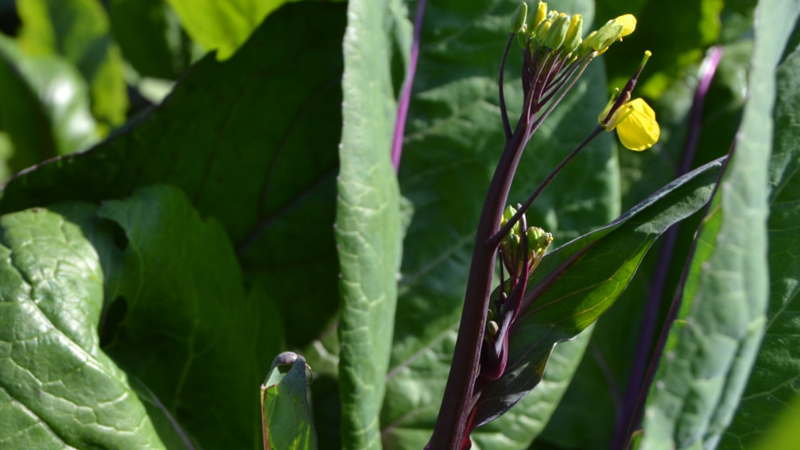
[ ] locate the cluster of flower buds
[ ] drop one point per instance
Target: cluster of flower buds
(556, 51)
(520, 249)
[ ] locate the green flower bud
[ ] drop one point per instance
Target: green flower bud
(542, 30)
(538, 240)
(574, 33)
(606, 36)
(519, 18)
(541, 14)
(558, 31)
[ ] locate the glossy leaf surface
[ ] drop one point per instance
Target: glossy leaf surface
(57, 388)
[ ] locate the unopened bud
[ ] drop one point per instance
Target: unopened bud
(538, 240)
(558, 31)
(541, 14)
(574, 33)
(542, 30)
(519, 18)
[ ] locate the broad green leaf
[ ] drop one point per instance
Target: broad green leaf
(150, 37)
(773, 386)
(453, 140)
(713, 345)
(189, 332)
(252, 141)
(368, 234)
(79, 31)
(222, 25)
(45, 106)
(285, 411)
(578, 282)
(57, 388)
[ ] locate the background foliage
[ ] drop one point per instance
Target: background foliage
(174, 217)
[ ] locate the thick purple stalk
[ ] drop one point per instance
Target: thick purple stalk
(405, 96)
(634, 393)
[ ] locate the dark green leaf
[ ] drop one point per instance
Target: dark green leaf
(453, 141)
(368, 234)
(190, 333)
(57, 388)
(285, 409)
(774, 384)
(252, 141)
(578, 282)
(150, 36)
(79, 31)
(712, 347)
(45, 106)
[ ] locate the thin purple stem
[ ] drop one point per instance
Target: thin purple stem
(405, 96)
(635, 391)
(503, 110)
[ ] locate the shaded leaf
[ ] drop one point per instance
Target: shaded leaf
(285, 410)
(190, 333)
(368, 234)
(578, 282)
(713, 344)
(45, 107)
(150, 37)
(774, 384)
(261, 160)
(79, 31)
(57, 388)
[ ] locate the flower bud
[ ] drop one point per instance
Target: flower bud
(519, 18)
(574, 33)
(542, 30)
(557, 32)
(541, 14)
(538, 241)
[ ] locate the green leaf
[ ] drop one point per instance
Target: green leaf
(252, 141)
(57, 388)
(453, 141)
(368, 234)
(773, 386)
(285, 410)
(578, 282)
(45, 107)
(150, 37)
(190, 333)
(712, 347)
(79, 31)
(222, 26)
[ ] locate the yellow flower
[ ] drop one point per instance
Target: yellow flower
(636, 125)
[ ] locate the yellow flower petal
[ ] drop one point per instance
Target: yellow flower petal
(639, 130)
(628, 23)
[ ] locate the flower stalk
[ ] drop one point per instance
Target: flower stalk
(554, 57)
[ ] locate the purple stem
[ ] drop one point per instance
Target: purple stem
(405, 96)
(626, 419)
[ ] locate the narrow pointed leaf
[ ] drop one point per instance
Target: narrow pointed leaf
(285, 410)
(578, 282)
(713, 345)
(367, 222)
(57, 388)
